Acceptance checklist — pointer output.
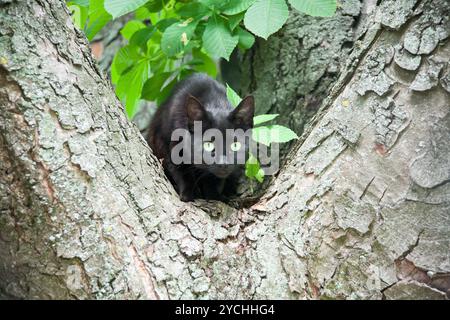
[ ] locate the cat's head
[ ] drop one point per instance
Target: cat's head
(225, 134)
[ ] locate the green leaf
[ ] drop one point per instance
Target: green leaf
(274, 133)
(251, 166)
(129, 86)
(155, 5)
(193, 10)
(260, 175)
(142, 13)
(177, 36)
(152, 88)
(81, 3)
(264, 118)
(141, 37)
(266, 17)
(194, 62)
(118, 8)
(166, 91)
(185, 73)
(158, 62)
(121, 62)
(98, 18)
(233, 97)
(215, 4)
(208, 65)
(253, 169)
(246, 39)
(237, 6)
(200, 29)
(233, 21)
(163, 24)
(315, 8)
(217, 38)
(130, 28)
(79, 15)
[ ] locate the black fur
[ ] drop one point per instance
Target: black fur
(199, 98)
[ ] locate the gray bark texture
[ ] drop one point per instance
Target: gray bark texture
(361, 210)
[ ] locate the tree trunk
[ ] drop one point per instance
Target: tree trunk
(361, 209)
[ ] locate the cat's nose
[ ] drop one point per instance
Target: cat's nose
(221, 171)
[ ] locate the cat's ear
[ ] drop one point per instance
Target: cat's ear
(243, 114)
(194, 110)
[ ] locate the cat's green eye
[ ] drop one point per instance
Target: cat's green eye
(208, 146)
(235, 146)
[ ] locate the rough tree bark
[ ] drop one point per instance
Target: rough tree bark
(361, 209)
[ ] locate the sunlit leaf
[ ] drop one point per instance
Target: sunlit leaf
(237, 6)
(266, 17)
(273, 134)
(121, 62)
(129, 86)
(130, 28)
(79, 15)
(315, 8)
(263, 118)
(98, 18)
(234, 21)
(233, 97)
(177, 36)
(217, 38)
(117, 8)
(253, 169)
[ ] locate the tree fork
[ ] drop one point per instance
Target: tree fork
(359, 211)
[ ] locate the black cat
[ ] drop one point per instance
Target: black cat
(200, 99)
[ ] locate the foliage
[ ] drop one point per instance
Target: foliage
(253, 169)
(170, 39)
